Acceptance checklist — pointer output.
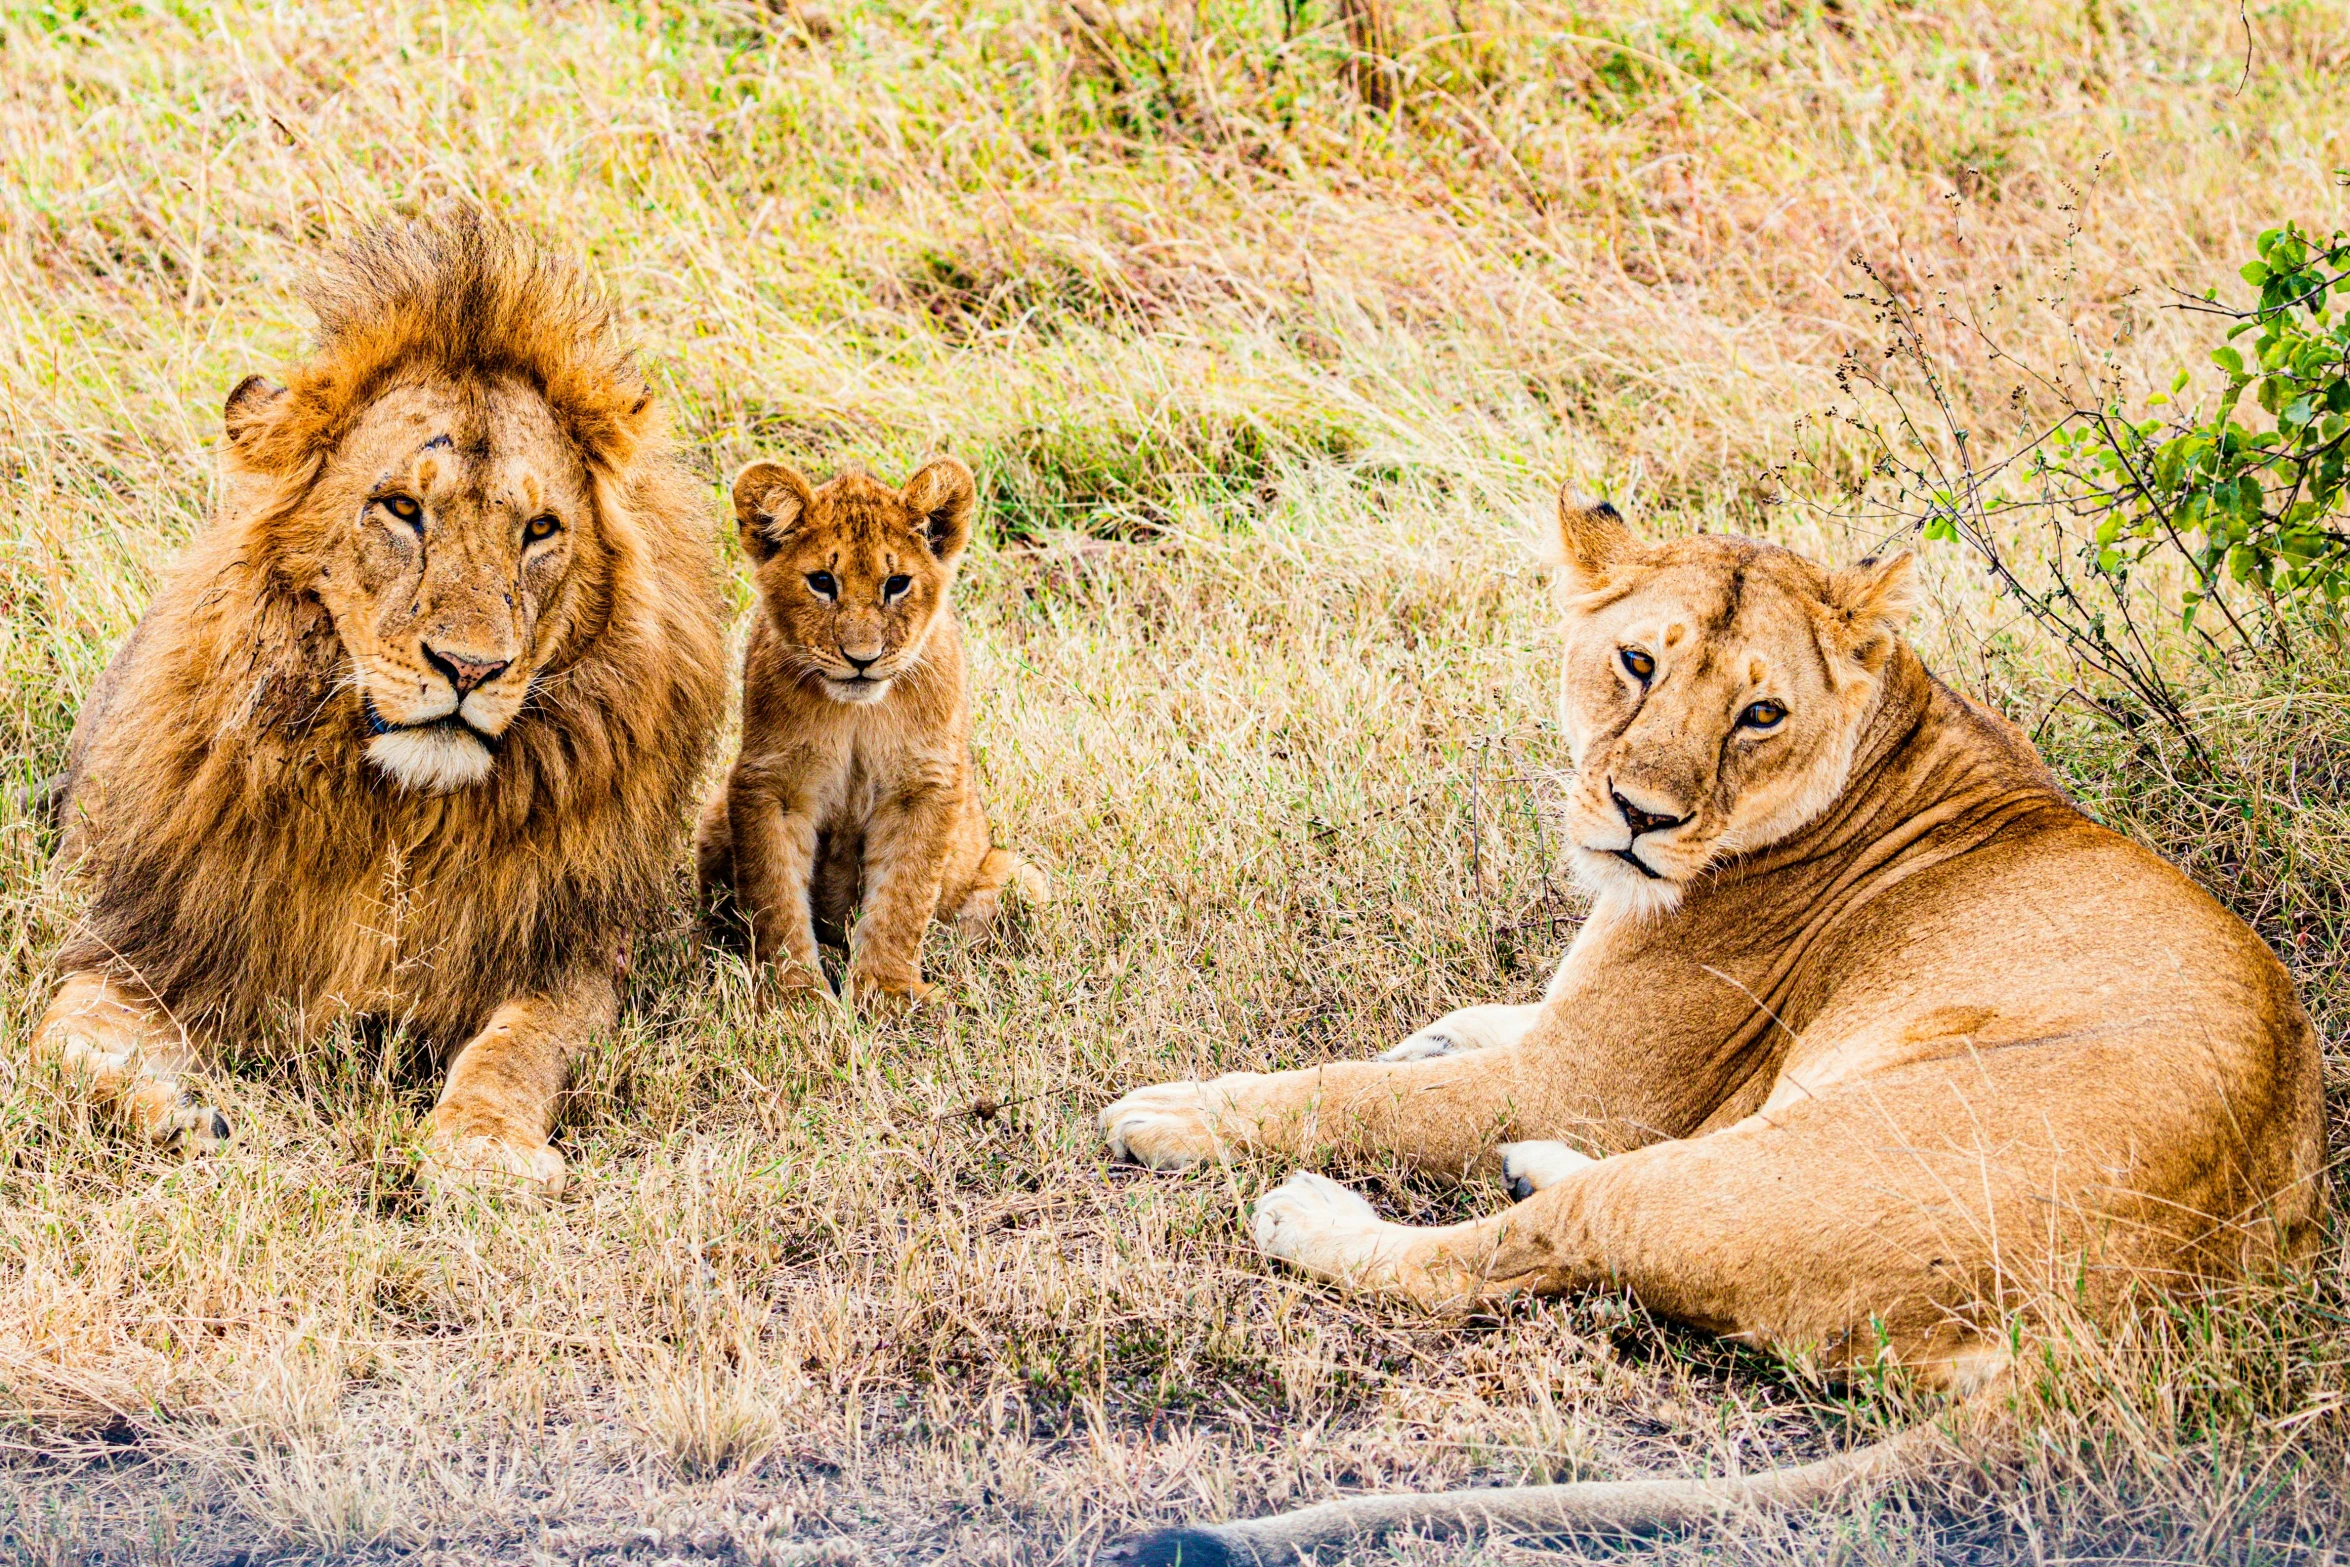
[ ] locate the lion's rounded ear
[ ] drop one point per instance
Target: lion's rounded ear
(250, 415)
(1870, 601)
(946, 497)
(770, 500)
(1594, 539)
(1881, 590)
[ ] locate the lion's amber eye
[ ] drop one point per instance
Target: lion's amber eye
(822, 582)
(405, 508)
(1638, 664)
(1763, 715)
(541, 528)
(896, 585)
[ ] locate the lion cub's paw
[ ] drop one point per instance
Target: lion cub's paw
(490, 1165)
(1527, 1168)
(886, 995)
(1312, 1222)
(1166, 1127)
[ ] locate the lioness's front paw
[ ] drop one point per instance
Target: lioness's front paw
(1527, 1168)
(1312, 1222)
(1169, 1126)
(1430, 1042)
(458, 1161)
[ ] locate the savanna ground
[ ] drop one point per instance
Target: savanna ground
(1265, 354)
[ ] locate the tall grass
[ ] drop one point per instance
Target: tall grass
(1262, 379)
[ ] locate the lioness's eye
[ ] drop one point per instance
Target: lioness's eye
(822, 582)
(1638, 664)
(404, 508)
(1763, 715)
(542, 527)
(896, 585)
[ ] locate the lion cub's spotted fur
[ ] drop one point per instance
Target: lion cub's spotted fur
(855, 782)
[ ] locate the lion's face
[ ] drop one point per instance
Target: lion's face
(1713, 692)
(852, 575)
(456, 548)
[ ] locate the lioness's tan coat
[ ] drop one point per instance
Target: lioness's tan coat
(412, 729)
(1871, 1041)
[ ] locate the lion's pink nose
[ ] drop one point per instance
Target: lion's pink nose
(461, 672)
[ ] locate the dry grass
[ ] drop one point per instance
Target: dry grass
(1166, 281)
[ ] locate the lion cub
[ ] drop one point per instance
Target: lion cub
(855, 783)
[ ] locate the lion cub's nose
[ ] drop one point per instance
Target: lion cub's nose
(862, 661)
(462, 672)
(1641, 821)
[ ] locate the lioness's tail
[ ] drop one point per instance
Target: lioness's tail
(1588, 1507)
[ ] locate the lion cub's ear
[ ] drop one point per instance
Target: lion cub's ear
(770, 500)
(945, 496)
(1593, 539)
(250, 417)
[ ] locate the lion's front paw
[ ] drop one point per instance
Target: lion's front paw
(1168, 1127)
(1430, 1042)
(172, 1116)
(1312, 1222)
(887, 992)
(1527, 1168)
(487, 1162)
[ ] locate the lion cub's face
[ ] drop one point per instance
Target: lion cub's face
(1713, 692)
(852, 575)
(451, 537)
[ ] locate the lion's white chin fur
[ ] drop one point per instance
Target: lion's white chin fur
(1623, 890)
(856, 692)
(431, 761)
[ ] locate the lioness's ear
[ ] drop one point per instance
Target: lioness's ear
(1882, 588)
(945, 496)
(770, 500)
(250, 415)
(1593, 539)
(1873, 600)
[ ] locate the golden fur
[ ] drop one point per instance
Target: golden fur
(855, 781)
(1871, 1043)
(413, 728)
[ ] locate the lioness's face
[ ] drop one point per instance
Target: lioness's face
(455, 532)
(852, 575)
(1712, 693)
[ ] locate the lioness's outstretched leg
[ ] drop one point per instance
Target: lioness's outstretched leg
(1445, 1114)
(126, 1052)
(1917, 1208)
(498, 1103)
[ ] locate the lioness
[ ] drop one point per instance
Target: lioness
(855, 781)
(412, 730)
(1870, 1039)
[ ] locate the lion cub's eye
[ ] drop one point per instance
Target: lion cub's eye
(541, 528)
(1638, 664)
(405, 508)
(823, 584)
(1763, 715)
(896, 586)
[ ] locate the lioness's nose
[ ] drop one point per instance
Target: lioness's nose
(1641, 821)
(463, 671)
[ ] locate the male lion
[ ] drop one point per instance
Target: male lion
(1871, 1038)
(855, 782)
(413, 728)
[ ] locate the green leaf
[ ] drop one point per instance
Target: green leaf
(2253, 273)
